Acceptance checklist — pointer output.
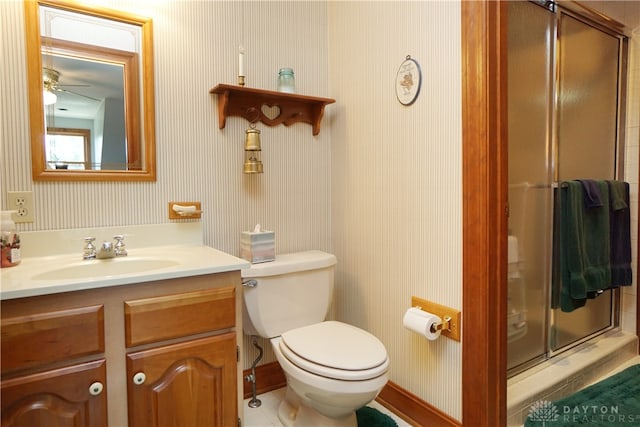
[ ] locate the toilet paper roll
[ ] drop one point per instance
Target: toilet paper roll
(421, 322)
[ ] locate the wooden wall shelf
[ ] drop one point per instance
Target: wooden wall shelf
(269, 107)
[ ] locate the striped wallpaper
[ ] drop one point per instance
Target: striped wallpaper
(396, 182)
(196, 47)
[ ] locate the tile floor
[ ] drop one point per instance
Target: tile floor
(267, 414)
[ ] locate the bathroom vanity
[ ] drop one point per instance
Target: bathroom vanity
(148, 347)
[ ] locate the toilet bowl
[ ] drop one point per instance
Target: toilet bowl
(331, 368)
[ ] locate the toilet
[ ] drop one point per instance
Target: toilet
(331, 368)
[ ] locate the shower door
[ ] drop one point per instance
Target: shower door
(563, 120)
(530, 88)
(587, 110)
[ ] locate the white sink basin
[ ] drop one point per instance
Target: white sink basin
(67, 272)
(105, 267)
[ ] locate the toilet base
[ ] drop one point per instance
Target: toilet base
(292, 412)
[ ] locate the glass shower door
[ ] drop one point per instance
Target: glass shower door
(563, 86)
(530, 179)
(586, 142)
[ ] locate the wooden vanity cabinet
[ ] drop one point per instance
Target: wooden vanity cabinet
(160, 353)
(71, 396)
(188, 383)
(46, 378)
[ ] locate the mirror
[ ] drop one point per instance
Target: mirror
(91, 99)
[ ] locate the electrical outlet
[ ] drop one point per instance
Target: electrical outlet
(22, 202)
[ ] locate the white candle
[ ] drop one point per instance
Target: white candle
(241, 62)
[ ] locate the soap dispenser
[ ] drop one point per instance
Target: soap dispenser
(10, 241)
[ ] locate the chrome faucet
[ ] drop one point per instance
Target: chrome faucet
(120, 248)
(106, 249)
(89, 251)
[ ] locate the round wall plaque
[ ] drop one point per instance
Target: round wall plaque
(408, 81)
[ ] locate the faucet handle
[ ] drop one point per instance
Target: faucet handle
(89, 251)
(120, 247)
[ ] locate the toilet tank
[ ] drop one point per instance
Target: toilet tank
(293, 291)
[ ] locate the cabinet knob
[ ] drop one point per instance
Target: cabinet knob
(96, 388)
(139, 378)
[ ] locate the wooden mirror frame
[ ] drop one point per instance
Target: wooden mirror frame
(36, 104)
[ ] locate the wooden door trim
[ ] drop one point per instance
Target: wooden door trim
(484, 139)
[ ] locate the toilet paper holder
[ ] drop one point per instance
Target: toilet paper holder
(445, 325)
(450, 326)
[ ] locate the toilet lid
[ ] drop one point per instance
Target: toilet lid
(335, 350)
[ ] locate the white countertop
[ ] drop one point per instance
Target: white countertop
(29, 278)
(41, 275)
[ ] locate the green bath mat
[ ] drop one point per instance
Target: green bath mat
(613, 402)
(371, 417)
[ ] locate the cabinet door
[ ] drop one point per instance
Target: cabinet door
(187, 384)
(74, 396)
(68, 334)
(165, 317)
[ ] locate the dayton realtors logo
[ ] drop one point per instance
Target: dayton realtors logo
(548, 413)
(544, 411)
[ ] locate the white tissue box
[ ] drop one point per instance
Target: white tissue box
(258, 246)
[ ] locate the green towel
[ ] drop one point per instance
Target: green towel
(584, 245)
(619, 195)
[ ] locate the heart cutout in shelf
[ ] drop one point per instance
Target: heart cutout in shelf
(270, 111)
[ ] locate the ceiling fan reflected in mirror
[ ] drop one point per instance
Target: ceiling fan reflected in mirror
(51, 79)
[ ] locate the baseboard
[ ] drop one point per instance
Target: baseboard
(404, 404)
(269, 376)
(412, 409)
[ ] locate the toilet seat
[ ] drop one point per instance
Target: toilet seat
(335, 350)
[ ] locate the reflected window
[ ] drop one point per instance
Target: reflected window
(68, 148)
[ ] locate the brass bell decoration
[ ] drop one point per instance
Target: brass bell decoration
(252, 149)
